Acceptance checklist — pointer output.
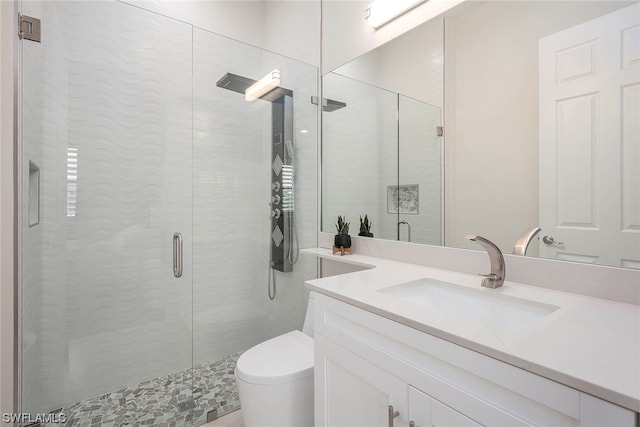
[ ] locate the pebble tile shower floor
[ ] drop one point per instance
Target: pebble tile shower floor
(164, 401)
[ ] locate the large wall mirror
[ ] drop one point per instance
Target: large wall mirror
(539, 102)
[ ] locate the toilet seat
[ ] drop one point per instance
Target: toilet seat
(282, 359)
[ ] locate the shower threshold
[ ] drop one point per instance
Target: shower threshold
(180, 399)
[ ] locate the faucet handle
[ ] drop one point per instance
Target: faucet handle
(491, 280)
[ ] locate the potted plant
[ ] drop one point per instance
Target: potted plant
(342, 239)
(365, 227)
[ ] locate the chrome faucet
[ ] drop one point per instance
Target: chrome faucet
(495, 279)
(523, 241)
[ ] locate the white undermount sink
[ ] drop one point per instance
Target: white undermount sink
(483, 306)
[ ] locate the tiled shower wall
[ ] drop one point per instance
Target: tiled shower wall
(101, 308)
(232, 150)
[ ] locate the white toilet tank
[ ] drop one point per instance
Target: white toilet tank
(275, 379)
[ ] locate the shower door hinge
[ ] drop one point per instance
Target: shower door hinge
(29, 28)
(315, 100)
(439, 130)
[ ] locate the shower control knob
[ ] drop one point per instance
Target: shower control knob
(275, 213)
(276, 199)
(275, 186)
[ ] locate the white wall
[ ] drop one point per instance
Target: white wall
(347, 35)
(7, 360)
(292, 29)
(492, 115)
(410, 64)
(240, 20)
(422, 73)
(287, 27)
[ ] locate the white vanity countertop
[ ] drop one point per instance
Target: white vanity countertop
(590, 344)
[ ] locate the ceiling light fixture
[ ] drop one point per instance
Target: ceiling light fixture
(263, 86)
(381, 12)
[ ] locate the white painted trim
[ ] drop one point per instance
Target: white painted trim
(612, 283)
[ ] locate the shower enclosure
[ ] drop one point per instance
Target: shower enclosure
(145, 218)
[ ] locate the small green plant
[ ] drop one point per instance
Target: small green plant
(342, 226)
(365, 225)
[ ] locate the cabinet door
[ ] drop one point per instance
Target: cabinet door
(425, 411)
(349, 390)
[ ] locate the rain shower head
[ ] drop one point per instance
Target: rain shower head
(235, 82)
(332, 105)
(328, 105)
(239, 84)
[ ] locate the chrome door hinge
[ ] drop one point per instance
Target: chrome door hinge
(29, 28)
(439, 130)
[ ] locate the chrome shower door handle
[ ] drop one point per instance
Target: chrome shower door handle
(177, 255)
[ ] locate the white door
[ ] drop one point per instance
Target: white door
(589, 141)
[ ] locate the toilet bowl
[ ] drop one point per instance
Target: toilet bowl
(275, 379)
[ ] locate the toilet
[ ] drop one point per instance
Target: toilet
(275, 379)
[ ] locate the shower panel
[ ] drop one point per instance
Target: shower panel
(283, 234)
(282, 178)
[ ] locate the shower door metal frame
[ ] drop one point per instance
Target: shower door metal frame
(10, 190)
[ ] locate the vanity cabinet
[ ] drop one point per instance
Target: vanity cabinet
(365, 363)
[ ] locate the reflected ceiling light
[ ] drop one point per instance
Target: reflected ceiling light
(263, 86)
(381, 12)
(304, 131)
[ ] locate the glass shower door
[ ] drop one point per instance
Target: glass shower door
(106, 212)
(420, 175)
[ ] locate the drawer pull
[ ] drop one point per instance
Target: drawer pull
(392, 414)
